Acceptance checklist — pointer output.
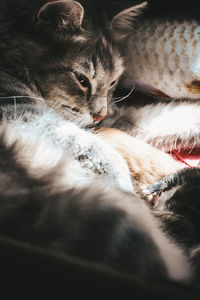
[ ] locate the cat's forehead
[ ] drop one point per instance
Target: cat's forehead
(107, 57)
(99, 59)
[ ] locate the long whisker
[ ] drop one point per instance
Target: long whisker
(15, 97)
(15, 101)
(53, 106)
(119, 99)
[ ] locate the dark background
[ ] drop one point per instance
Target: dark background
(165, 7)
(175, 8)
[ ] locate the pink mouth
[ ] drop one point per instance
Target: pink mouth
(98, 118)
(189, 157)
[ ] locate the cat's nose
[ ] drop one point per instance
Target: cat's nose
(101, 114)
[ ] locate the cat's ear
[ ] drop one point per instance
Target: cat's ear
(122, 24)
(64, 15)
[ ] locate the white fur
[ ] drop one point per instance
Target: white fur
(47, 141)
(166, 126)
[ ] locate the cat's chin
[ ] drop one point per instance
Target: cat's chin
(83, 121)
(87, 121)
(95, 124)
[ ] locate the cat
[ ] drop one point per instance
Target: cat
(64, 66)
(62, 187)
(60, 50)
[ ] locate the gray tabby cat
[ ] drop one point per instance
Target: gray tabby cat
(63, 187)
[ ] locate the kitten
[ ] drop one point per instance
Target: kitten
(70, 65)
(49, 57)
(63, 187)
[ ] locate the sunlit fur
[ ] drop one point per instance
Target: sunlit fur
(166, 126)
(62, 187)
(147, 165)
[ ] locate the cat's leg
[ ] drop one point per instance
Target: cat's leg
(95, 154)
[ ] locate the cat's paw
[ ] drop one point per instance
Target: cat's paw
(96, 156)
(173, 182)
(164, 189)
(154, 191)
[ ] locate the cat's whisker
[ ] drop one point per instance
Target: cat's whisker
(81, 124)
(119, 99)
(17, 97)
(52, 106)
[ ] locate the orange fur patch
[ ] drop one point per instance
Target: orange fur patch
(147, 164)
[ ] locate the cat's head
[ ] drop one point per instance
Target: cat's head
(74, 65)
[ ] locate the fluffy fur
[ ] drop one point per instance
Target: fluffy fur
(147, 165)
(163, 125)
(69, 219)
(168, 127)
(62, 187)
